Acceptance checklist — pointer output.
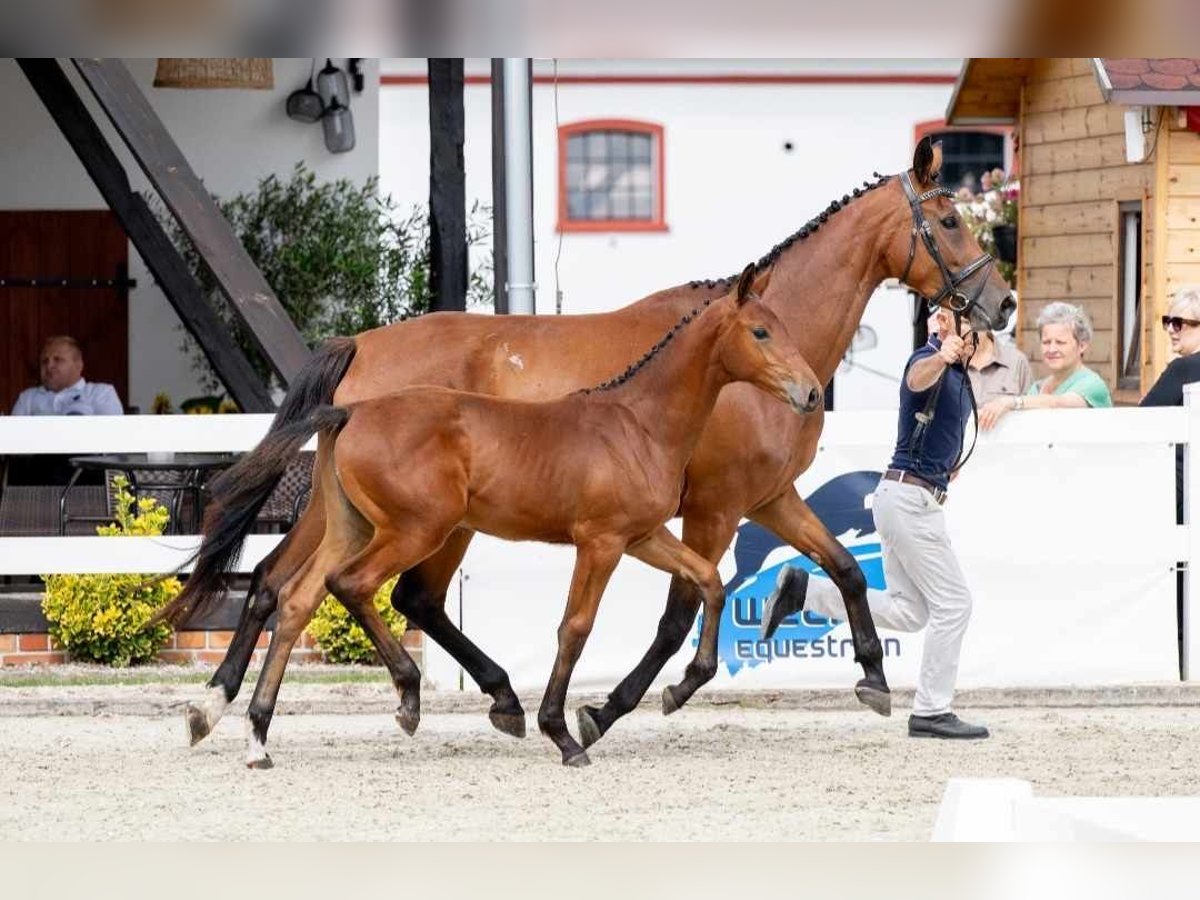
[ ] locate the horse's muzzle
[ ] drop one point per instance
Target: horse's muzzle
(803, 400)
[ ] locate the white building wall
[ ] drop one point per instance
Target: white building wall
(732, 190)
(231, 138)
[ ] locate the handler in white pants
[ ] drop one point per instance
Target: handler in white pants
(926, 587)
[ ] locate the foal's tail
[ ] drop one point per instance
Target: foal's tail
(240, 492)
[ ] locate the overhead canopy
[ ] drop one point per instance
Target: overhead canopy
(988, 92)
(1136, 81)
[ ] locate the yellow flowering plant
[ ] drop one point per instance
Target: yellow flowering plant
(102, 618)
(341, 639)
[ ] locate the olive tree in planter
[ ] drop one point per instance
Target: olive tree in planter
(340, 257)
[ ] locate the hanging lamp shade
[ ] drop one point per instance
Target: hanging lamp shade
(255, 73)
(332, 84)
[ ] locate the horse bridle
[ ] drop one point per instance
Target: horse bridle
(951, 294)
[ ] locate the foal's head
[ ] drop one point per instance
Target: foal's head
(757, 348)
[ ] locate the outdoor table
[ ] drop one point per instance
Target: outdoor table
(189, 470)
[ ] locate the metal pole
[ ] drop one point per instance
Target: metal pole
(499, 194)
(518, 171)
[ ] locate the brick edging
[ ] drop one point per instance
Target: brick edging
(38, 648)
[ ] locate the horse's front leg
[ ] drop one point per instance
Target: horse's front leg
(709, 537)
(665, 551)
(594, 565)
(792, 519)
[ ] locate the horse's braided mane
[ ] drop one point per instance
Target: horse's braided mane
(804, 231)
(651, 353)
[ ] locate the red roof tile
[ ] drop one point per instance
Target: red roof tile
(1167, 74)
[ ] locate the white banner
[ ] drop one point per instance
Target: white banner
(1063, 523)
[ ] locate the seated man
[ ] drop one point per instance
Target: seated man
(63, 391)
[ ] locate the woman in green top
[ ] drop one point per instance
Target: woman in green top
(1066, 332)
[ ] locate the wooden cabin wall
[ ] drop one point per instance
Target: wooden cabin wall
(1073, 175)
(1180, 179)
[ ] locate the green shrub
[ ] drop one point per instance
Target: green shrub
(340, 257)
(342, 639)
(102, 618)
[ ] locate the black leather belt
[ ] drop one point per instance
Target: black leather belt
(939, 494)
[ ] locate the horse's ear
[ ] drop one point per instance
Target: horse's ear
(927, 160)
(745, 284)
(759, 285)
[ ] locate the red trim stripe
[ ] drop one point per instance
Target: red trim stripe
(798, 79)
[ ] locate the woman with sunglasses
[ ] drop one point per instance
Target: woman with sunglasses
(1182, 323)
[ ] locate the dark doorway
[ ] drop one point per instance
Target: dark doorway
(54, 257)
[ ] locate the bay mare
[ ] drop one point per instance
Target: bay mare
(744, 465)
(599, 469)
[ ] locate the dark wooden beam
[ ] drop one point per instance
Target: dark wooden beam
(145, 231)
(186, 197)
(447, 186)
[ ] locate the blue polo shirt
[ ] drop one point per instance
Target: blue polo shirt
(933, 456)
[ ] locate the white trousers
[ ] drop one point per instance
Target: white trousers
(925, 587)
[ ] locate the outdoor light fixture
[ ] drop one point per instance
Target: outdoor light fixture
(304, 105)
(332, 84)
(338, 123)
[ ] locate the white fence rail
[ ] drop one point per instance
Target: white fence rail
(82, 435)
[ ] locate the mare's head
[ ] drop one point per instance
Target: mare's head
(938, 254)
(755, 346)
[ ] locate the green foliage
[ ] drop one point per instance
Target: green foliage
(340, 258)
(341, 639)
(102, 618)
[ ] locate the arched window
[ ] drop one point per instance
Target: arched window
(969, 151)
(610, 176)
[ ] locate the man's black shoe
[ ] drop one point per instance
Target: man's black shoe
(947, 725)
(788, 598)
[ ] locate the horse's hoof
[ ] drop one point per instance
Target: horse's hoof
(578, 761)
(197, 724)
(878, 699)
(589, 731)
(408, 721)
(508, 723)
(669, 703)
(263, 762)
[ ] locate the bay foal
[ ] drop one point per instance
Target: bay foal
(601, 469)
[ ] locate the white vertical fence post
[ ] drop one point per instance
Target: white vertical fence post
(1191, 507)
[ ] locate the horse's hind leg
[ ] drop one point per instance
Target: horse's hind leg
(709, 537)
(420, 595)
(355, 584)
(299, 599)
(262, 599)
(665, 551)
(792, 519)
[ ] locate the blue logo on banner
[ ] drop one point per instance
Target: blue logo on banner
(841, 505)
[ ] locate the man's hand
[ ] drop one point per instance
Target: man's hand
(954, 350)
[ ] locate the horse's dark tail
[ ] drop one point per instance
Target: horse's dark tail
(239, 493)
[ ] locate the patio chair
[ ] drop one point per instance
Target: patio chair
(289, 498)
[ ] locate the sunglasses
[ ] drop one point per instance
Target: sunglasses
(1176, 323)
